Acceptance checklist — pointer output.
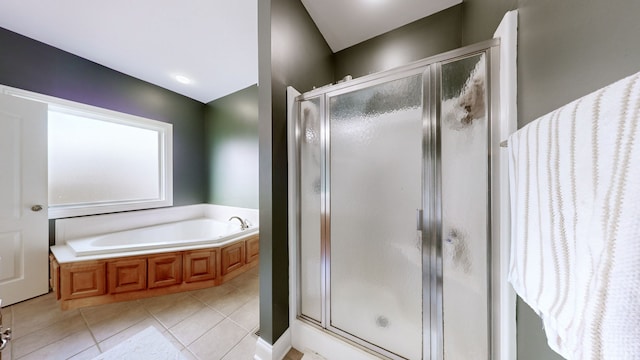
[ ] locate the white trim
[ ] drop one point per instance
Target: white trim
(504, 322)
(165, 132)
(311, 340)
(277, 351)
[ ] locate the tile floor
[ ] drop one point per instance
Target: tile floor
(207, 324)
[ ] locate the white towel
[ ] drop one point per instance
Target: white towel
(575, 216)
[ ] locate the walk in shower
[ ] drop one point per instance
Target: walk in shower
(393, 227)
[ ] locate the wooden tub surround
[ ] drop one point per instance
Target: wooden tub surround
(93, 282)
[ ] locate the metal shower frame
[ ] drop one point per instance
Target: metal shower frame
(430, 218)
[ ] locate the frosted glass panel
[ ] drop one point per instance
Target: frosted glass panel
(464, 208)
(375, 174)
(93, 161)
(310, 209)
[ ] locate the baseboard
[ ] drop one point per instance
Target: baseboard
(277, 351)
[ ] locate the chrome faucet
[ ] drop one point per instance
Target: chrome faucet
(243, 223)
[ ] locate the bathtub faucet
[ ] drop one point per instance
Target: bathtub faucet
(243, 223)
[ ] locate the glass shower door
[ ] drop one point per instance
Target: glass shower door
(310, 205)
(464, 131)
(374, 177)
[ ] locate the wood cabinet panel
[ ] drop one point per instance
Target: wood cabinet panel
(200, 265)
(78, 280)
(127, 275)
(253, 249)
(233, 257)
(54, 276)
(164, 270)
(93, 282)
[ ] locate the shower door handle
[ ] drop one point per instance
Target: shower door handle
(419, 219)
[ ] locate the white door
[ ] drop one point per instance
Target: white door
(24, 240)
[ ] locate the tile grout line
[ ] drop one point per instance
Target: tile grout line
(225, 317)
(235, 346)
(86, 323)
(236, 286)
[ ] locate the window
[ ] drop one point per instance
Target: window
(104, 161)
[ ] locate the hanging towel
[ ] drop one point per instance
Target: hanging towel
(575, 222)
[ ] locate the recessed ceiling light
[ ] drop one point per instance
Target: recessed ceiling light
(182, 79)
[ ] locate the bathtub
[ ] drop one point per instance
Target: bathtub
(202, 231)
(134, 255)
(151, 231)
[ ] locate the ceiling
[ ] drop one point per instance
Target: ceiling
(211, 42)
(344, 23)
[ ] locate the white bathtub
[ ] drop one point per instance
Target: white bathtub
(171, 235)
(150, 232)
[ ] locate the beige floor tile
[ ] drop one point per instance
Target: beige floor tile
(36, 314)
(196, 319)
(159, 303)
(249, 284)
(7, 353)
(88, 354)
(177, 311)
(248, 315)
(112, 320)
(173, 340)
(244, 350)
(123, 335)
(215, 343)
(188, 355)
(49, 335)
(194, 326)
(37, 304)
(96, 314)
(213, 293)
(7, 316)
(230, 302)
(255, 270)
(240, 279)
(293, 354)
(69, 346)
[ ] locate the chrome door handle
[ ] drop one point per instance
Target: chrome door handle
(36, 208)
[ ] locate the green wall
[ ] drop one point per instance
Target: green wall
(566, 49)
(292, 52)
(420, 39)
(31, 65)
(231, 142)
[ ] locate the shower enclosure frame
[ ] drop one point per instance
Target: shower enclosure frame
(429, 218)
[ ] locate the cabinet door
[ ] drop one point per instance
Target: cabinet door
(165, 270)
(127, 275)
(233, 257)
(253, 249)
(200, 265)
(84, 279)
